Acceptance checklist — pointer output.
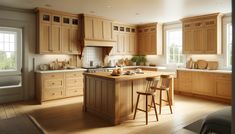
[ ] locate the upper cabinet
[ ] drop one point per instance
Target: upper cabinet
(150, 39)
(202, 34)
(126, 39)
(58, 32)
(97, 31)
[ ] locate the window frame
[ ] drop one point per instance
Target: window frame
(226, 20)
(19, 34)
(170, 28)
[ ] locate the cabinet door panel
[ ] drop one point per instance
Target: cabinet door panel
(198, 45)
(224, 89)
(45, 38)
(132, 44)
(88, 28)
(188, 41)
(98, 29)
(107, 30)
(56, 38)
(203, 83)
(74, 42)
(153, 43)
(120, 43)
(211, 43)
(126, 44)
(65, 42)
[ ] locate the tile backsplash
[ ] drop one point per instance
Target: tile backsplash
(93, 54)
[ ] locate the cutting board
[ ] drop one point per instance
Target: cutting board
(202, 64)
(212, 65)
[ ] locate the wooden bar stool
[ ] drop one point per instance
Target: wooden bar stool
(163, 85)
(148, 92)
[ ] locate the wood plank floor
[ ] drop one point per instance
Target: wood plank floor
(66, 116)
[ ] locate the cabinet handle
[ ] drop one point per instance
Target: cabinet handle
(53, 93)
(52, 83)
(75, 91)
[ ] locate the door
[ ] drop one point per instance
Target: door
(74, 42)
(198, 44)
(98, 29)
(107, 29)
(88, 22)
(188, 41)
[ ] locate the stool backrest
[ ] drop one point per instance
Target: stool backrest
(164, 82)
(150, 83)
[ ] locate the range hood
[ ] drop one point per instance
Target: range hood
(98, 43)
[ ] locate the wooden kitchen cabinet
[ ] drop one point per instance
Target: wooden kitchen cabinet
(203, 83)
(50, 86)
(58, 32)
(224, 86)
(202, 34)
(210, 85)
(150, 39)
(96, 28)
(184, 81)
(126, 39)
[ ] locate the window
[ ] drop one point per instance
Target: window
(174, 46)
(10, 50)
(229, 45)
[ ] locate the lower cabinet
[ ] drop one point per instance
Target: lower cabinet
(52, 86)
(212, 85)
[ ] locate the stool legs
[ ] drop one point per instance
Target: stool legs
(146, 111)
(169, 103)
(160, 103)
(138, 97)
(155, 109)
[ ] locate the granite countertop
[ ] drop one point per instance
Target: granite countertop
(205, 70)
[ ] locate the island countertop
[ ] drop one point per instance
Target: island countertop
(124, 77)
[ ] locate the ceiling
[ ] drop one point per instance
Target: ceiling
(130, 11)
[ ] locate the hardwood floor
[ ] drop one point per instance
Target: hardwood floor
(66, 116)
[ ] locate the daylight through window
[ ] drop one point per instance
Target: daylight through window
(174, 46)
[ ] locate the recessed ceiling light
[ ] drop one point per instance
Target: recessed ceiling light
(92, 12)
(47, 5)
(108, 6)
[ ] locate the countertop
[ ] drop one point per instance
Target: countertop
(205, 70)
(83, 69)
(107, 75)
(59, 71)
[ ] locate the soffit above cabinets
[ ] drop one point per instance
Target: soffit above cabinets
(130, 11)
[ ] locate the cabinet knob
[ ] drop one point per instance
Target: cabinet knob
(53, 93)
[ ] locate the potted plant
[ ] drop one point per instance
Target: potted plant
(142, 60)
(135, 60)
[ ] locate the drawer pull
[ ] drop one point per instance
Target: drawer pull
(53, 93)
(52, 75)
(53, 83)
(75, 91)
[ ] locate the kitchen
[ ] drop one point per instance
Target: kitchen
(64, 49)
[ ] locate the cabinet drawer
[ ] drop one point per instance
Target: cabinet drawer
(224, 76)
(53, 94)
(74, 92)
(53, 76)
(56, 83)
(74, 82)
(73, 74)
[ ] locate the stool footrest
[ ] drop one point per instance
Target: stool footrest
(141, 110)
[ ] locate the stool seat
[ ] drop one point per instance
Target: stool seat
(146, 93)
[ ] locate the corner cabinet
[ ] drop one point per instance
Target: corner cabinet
(50, 86)
(126, 40)
(58, 32)
(202, 34)
(150, 39)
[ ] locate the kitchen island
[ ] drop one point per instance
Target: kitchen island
(113, 98)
